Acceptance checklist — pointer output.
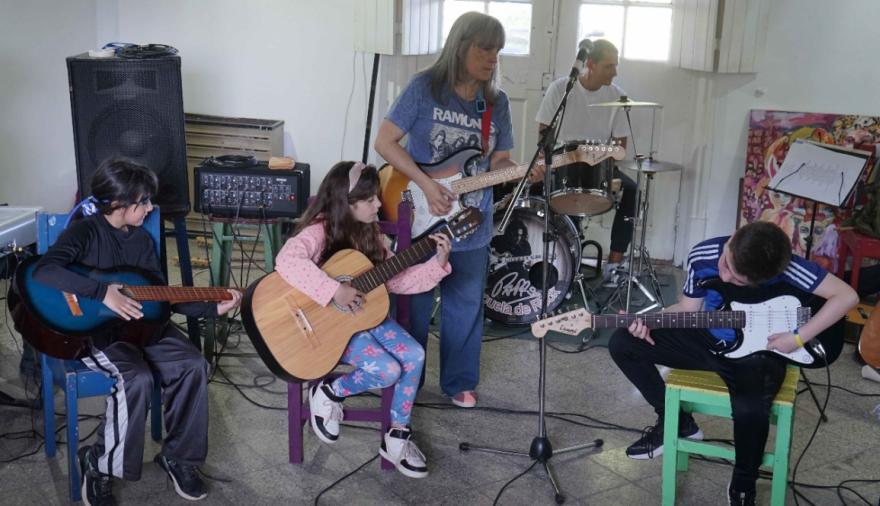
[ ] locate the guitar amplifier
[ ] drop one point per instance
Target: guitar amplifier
(242, 187)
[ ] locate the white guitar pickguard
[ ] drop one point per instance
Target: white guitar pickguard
(422, 217)
(776, 315)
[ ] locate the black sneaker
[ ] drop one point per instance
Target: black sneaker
(650, 445)
(185, 477)
(97, 488)
(736, 498)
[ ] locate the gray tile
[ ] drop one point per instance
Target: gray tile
(249, 445)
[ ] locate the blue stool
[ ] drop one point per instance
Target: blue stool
(73, 377)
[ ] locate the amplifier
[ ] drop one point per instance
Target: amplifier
(18, 227)
(245, 188)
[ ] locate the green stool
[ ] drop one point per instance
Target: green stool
(225, 234)
(705, 392)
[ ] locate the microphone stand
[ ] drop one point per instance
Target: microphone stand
(540, 450)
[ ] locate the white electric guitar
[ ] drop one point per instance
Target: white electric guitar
(753, 323)
(395, 186)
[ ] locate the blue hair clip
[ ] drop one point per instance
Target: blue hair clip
(86, 206)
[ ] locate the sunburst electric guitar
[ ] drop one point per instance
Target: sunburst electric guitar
(396, 187)
(299, 339)
(753, 323)
(60, 324)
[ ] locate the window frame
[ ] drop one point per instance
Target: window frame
(485, 10)
(626, 4)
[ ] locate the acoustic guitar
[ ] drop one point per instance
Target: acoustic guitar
(396, 186)
(869, 339)
(60, 324)
(299, 339)
(753, 322)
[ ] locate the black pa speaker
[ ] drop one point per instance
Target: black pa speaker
(133, 109)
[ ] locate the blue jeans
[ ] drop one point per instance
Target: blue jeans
(461, 319)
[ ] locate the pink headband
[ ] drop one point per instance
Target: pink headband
(354, 174)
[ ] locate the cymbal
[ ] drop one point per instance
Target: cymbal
(649, 165)
(624, 101)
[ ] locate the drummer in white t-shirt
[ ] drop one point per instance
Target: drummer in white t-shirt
(582, 122)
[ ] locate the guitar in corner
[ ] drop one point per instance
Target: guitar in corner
(299, 339)
(869, 340)
(396, 187)
(753, 323)
(61, 324)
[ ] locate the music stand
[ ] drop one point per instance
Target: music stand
(819, 173)
(540, 449)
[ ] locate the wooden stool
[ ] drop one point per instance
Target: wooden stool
(705, 392)
(858, 246)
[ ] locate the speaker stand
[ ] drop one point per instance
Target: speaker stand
(186, 277)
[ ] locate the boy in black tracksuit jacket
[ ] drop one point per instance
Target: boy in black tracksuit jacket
(114, 238)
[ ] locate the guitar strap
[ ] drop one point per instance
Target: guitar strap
(486, 124)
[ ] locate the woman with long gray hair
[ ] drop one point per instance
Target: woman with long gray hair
(451, 100)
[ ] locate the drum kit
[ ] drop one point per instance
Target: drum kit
(579, 190)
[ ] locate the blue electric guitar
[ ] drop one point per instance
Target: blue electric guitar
(60, 324)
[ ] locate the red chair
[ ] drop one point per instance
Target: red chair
(298, 412)
(858, 246)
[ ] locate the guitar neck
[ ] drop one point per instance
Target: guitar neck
(696, 320)
(491, 178)
(589, 154)
(379, 274)
(177, 293)
(576, 321)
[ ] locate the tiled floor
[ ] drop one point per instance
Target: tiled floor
(248, 445)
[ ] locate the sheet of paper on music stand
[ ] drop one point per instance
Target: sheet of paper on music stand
(814, 172)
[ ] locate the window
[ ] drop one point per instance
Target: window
(515, 17)
(641, 29)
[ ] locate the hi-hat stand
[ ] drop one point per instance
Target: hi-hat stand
(541, 450)
(630, 277)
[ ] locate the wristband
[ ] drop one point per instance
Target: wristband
(797, 338)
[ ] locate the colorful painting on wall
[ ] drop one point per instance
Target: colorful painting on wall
(771, 133)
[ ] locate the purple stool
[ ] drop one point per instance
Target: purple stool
(298, 415)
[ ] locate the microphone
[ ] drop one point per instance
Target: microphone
(578, 64)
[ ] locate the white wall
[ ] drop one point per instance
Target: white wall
(275, 59)
(37, 163)
(293, 60)
(817, 63)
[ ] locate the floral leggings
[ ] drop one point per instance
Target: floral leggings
(383, 356)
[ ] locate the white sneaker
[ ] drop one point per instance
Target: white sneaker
(325, 413)
(399, 449)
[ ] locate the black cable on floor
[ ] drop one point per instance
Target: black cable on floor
(813, 435)
(240, 391)
(340, 480)
(520, 475)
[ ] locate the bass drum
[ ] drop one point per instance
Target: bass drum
(513, 288)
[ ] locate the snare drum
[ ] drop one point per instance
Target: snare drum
(581, 189)
(513, 288)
